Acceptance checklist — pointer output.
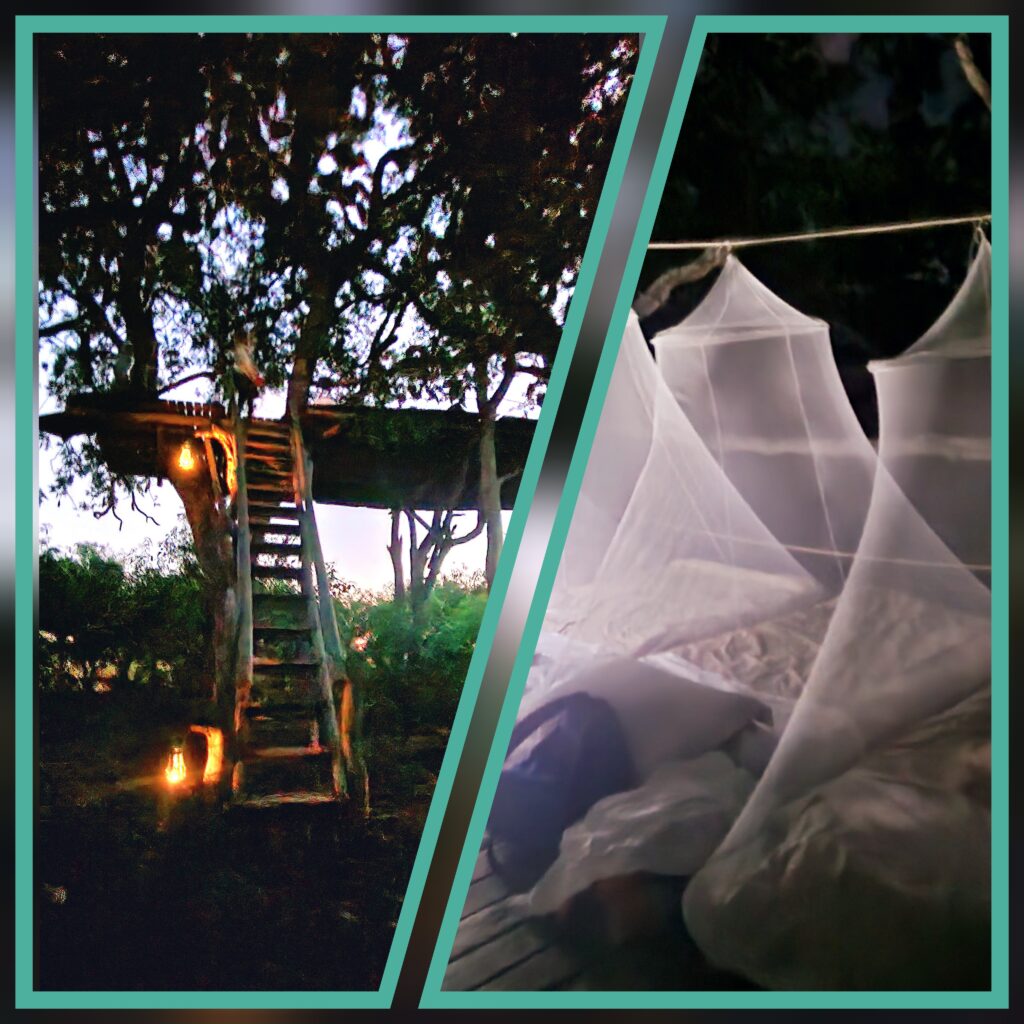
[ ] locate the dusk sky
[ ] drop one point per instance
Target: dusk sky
(354, 540)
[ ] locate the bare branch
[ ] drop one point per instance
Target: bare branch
(657, 294)
(185, 380)
(974, 77)
(475, 532)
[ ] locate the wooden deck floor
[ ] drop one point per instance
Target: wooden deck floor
(499, 947)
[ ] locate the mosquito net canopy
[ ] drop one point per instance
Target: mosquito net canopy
(757, 380)
(663, 548)
(934, 404)
(863, 852)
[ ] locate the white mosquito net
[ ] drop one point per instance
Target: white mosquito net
(934, 403)
(863, 853)
(662, 548)
(758, 381)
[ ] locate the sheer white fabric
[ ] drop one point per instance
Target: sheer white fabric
(884, 761)
(934, 404)
(757, 380)
(663, 549)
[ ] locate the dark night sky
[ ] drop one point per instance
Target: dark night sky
(792, 133)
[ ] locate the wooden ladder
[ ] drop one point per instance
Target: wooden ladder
(291, 747)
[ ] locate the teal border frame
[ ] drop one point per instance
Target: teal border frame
(651, 27)
(434, 997)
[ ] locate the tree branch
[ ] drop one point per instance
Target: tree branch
(657, 294)
(974, 77)
(185, 380)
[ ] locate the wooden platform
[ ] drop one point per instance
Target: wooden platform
(363, 456)
(499, 947)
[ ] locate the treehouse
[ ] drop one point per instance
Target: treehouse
(371, 457)
(285, 706)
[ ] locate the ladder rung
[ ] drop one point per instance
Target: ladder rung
(287, 631)
(276, 664)
(284, 711)
(264, 527)
(262, 505)
(267, 457)
(281, 572)
(259, 445)
(286, 753)
(260, 492)
(306, 798)
(259, 548)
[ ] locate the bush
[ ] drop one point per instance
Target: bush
(411, 668)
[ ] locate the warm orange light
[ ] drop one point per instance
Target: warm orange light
(214, 751)
(186, 458)
(175, 771)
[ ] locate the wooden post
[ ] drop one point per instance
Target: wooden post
(330, 731)
(348, 732)
(310, 535)
(243, 584)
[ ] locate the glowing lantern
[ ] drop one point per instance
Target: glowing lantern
(175, 770)
(186, 458)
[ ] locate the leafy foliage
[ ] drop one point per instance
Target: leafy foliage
(411, 667)
(132, 624)
(389, 215)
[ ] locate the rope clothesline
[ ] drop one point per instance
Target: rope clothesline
(870, 229)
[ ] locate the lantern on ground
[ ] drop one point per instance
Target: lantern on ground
(175, 771)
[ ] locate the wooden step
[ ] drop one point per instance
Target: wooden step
(280, 451)
(268, 726)
(295, 645)
(281, 550)
(283, 692)
(306, 772)
(279, 602)
(259, 493)
(276, 572)
(267, 510)
(275, 800)
(264, 526)
(278, 666)
(282, 632)
(262, 458)
(265, 477)
(269, 426)
(268, 524)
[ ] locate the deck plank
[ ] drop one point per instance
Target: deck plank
(486, 925)
(484, 892)
(487, 962)
(551, 967)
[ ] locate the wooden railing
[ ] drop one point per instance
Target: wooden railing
(311, 544)
(320, 609)
(243, 586)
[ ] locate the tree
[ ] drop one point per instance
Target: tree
(427, 552)
(391, 217)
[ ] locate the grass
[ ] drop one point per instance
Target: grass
(177, 894)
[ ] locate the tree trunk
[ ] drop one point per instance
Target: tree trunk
(211, 528)
(312, 336)
(395, 551)
(417, 568)
(490, 492)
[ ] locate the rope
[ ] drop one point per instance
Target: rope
(871, 229)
